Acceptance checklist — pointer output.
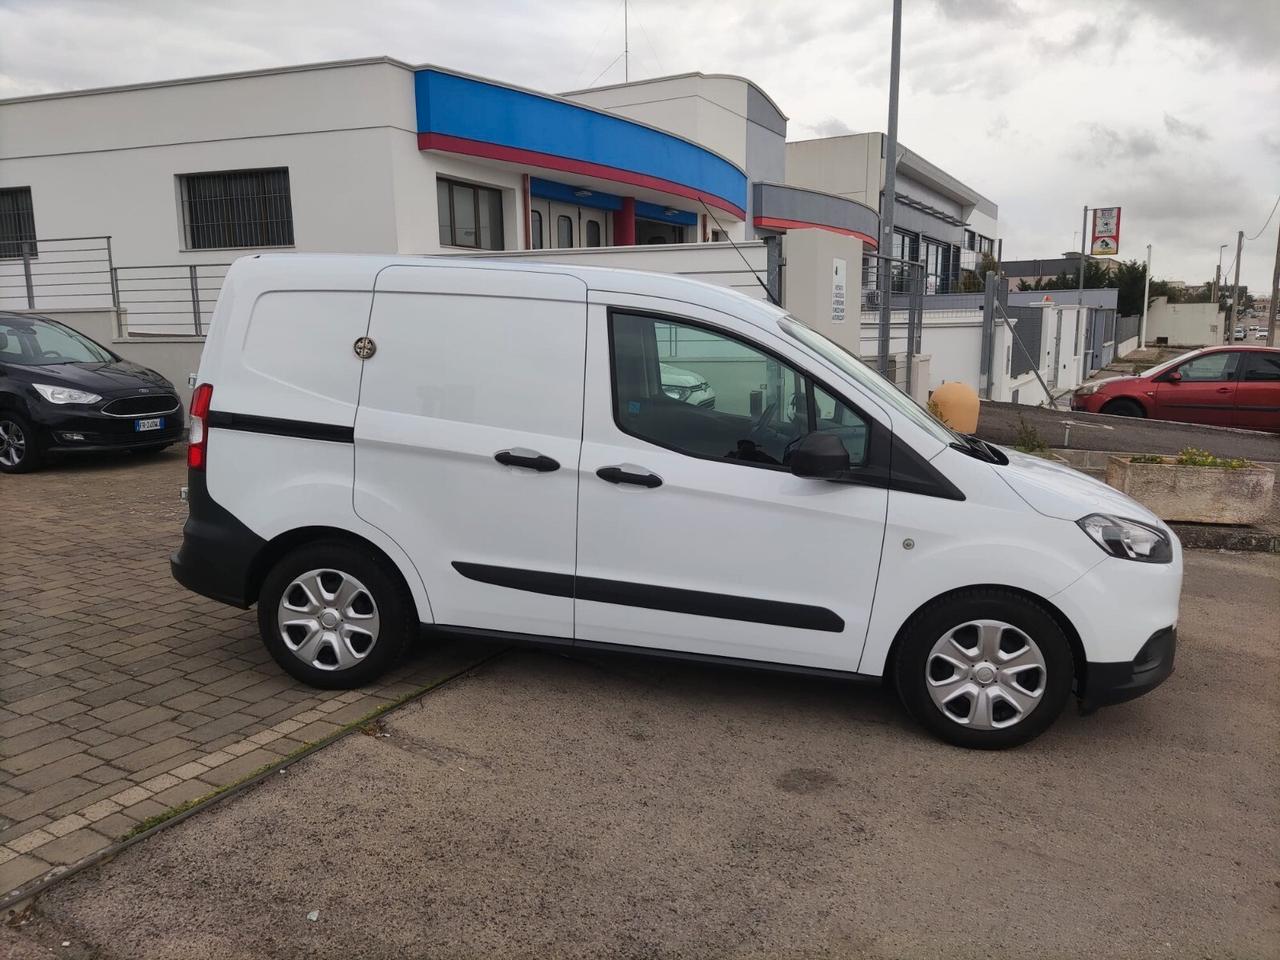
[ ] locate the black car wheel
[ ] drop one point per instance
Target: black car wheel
(19, 449)
(1124, 408)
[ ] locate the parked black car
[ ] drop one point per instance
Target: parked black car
(61, 392)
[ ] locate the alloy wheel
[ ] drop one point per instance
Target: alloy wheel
(328, 619)
(985, 674)
(13, 444)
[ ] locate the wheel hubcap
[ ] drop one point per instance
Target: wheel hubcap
(985, 674)
(13, 443)
(328, 619)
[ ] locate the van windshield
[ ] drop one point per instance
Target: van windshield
(868, 379)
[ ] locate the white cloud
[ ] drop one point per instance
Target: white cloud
(1041, 106)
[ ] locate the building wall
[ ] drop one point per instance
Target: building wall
(848, 166)
(807, 283)
(107, 163)
(1184, 324)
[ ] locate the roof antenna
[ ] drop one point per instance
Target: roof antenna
(754, 272)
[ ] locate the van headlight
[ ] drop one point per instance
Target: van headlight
(1127, 539)
(56, 394)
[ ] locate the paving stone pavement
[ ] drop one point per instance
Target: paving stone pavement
(121, 693)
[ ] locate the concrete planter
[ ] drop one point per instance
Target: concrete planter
(1195, 494)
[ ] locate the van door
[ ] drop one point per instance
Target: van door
(693, 535)
(467, 438)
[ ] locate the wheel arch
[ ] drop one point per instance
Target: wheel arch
(1064, 622)
(1126, 398)
(290, 540)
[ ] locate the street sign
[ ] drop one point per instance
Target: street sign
(1106, 232)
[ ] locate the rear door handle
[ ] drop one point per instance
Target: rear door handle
(529, 459)
(1224, 389)
(618, 475)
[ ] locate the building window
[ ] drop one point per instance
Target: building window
(17, 222)
(237, 208)
(970, 240)
(564, 232)
(986, 246)
(535, 230)
(593, 233)
(470, 215)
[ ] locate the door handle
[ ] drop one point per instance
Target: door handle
(618, 475)
(530, 460)
(1224, 390)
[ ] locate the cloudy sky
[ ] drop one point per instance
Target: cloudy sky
(1170, 108)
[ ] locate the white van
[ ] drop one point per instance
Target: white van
(501, 449)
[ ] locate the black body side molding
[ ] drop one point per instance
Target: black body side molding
(722, 606)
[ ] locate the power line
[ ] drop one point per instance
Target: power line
(605, 70)
(1268, 223)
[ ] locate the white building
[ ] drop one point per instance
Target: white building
(379, 156)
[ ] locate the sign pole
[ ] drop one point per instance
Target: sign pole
(1084, 244)
(1146, 299)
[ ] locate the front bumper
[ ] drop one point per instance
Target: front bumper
(87, 431)
(1111, 683)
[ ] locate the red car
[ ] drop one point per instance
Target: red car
(1226, 386)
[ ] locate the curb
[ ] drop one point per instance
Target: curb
(1197, 537)
(14, 899)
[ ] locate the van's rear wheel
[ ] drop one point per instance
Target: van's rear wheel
(333, 616)
(984, 668)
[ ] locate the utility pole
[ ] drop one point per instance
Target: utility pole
(1217, 279)
(1235, 286)
(626, 45)
(1275, 295)
(890, 194)
(1146, 299)
(1084, 234)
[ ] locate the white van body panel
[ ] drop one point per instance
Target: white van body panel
(463, 353)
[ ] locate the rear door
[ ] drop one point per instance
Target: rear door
(467, 438)
(1258, 392)
(1205, 392)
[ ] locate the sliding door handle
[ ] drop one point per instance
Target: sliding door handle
(618, 475)
(529, 459)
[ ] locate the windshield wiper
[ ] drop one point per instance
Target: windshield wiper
(978, 449)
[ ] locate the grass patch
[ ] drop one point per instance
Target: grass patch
(1028, 439)
(1192, 457)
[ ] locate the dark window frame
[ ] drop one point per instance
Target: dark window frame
(535, 234)
(875, 431)
(591, 222)
(23, 221)
(564, 218)
(270, 227)
(495, 196)
(1260, 357)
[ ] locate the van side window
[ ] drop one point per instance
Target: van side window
(833, 416)
(711, 395)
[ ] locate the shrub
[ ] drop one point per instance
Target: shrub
(1028, 439)
(1191, 457)
(1148, 458)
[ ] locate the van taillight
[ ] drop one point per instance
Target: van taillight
(198, 440)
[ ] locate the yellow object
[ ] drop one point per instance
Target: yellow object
(956, 404)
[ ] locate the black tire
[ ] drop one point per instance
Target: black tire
(391, 600)
(1124, 408)
(31, 456)
(935, 621)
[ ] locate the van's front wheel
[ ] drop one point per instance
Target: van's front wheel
(333, 617)
(984, 668)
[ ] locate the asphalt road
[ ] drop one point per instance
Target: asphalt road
(557, 806)
(998, 422)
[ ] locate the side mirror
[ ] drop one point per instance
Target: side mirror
(1175, 377)
(820, 455)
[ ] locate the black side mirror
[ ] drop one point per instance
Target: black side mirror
(820, 455)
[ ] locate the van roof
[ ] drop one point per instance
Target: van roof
(356, 271)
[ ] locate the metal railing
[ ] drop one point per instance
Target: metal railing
(169, 299)
(58, 273)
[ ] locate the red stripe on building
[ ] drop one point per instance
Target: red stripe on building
(549, 161)
(780, 223)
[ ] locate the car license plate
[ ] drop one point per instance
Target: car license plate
(156, 423)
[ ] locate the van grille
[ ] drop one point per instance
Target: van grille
(141, 406)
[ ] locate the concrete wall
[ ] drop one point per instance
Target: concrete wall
(848, 166)
(807, 283)
(1184, 324)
